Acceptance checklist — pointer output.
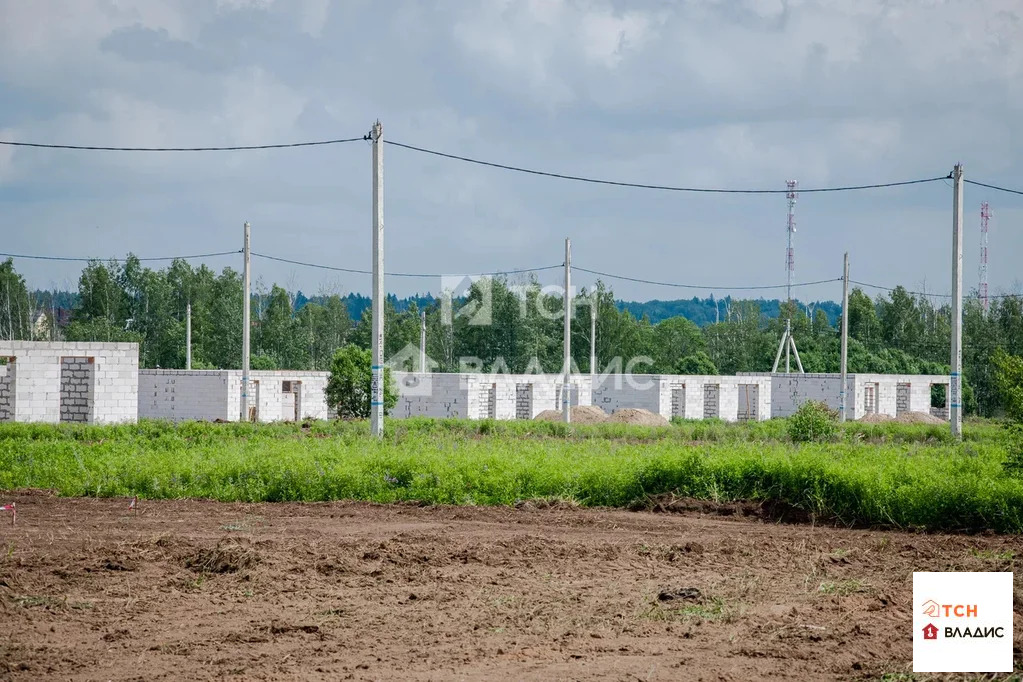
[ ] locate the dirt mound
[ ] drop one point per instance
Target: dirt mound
(584, 414)
(631, 415)
(919, 418)
(875, 418)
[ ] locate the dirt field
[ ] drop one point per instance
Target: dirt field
(201, 590)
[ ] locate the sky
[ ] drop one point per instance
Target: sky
(738, 94)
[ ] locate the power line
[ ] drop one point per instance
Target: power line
(119, 260)
(922, 293)
(638, 185)
(403, 274)
(240, 148)
(697, 286)
(1000, 189)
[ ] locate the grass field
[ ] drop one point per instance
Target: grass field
(888, 474)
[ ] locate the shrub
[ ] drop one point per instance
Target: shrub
(813, 421)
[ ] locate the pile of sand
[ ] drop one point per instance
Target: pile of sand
(919, 418)
(641, 417)
(584, 414)
(875, 418)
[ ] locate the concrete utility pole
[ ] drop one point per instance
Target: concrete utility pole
(845, 338)
(593, 334)
(188, 336)
(566, 407)
(377, 386)
(955, 411)
(246, 306)
(422, 341)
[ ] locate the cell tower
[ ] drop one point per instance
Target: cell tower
(790, 264)
(985, 213)
(788, 344)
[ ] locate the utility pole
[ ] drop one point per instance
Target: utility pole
(955, 411)
(377, 386)
(845, 338)
(593, 334)
(422, 341)
(566, 407)
(246, 306)
(188, 336)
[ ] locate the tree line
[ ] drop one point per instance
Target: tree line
(899, 333)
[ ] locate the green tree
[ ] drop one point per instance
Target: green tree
(696, 364)
(350, 383)
(16, 314)
(676, 339)
(863, 322)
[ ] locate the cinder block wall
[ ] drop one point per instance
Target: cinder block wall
(37, 384)
(268, 397)
(180, 395)
(467, 395)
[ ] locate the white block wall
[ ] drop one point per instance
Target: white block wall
(789, 391)
(465, 395)
(312, 394)
(216, 394)
(653, 392)
(37, 379)
(180, 395)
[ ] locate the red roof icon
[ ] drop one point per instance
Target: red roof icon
(930, 632)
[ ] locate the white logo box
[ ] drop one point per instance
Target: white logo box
(969, 611)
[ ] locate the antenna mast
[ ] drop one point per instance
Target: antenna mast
(985, 213)
(787, 342)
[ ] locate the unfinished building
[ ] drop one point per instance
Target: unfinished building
(216, 395)
(84, 382)
(883, 394)
(731, 398)
(485, 396)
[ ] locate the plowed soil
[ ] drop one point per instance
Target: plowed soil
(204, 590)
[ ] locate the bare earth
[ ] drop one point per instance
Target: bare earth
(203, 590)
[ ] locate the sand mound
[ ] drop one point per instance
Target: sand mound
(585, 414)
(876, 418)
(641, 417)
(919, 418)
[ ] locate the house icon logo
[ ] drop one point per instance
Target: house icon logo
(932, 608)
(930, 631)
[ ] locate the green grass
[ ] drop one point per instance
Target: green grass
(875, 474)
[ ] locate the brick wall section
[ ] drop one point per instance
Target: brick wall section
(76, 389)
(523, 401)
(37, 381)
(711, 400)
(7, 379)
(902, 391)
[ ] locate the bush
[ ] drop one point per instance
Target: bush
(350, 383)
(813, 421)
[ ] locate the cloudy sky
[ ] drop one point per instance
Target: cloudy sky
(737, 94)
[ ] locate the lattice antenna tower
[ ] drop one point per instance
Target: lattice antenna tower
(790, 254)
(985, 214)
